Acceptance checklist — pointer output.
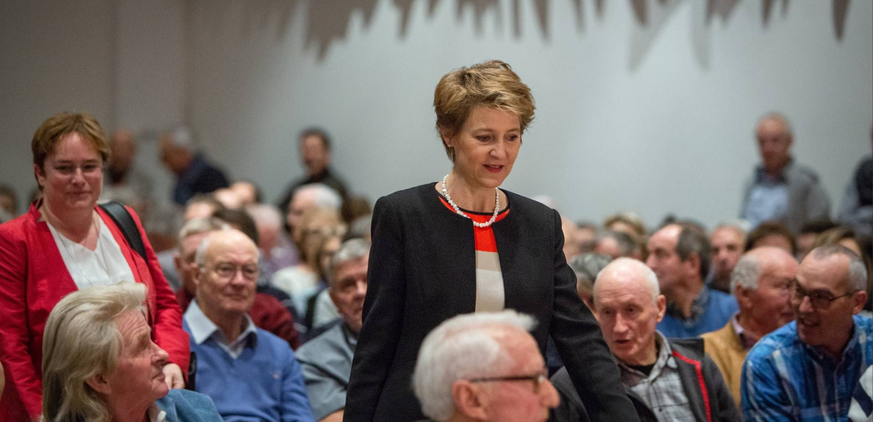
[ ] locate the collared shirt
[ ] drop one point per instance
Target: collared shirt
(661, 389)
(787, 380)
(768, 199)
(710, 311)
(327, 365)
(745, 337)
(202, 328)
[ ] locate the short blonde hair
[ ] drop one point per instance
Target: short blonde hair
(490, 84)
(82, 340)
(46, 137)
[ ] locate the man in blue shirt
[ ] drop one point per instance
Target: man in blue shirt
(680, 256)
(808, 369)
(779, 189)
(250, 374)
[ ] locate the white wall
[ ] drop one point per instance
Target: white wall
(655, 117)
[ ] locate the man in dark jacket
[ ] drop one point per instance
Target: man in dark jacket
(667, 380)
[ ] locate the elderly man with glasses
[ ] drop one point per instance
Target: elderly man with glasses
(808, 369)
(483, 367)
(250, 373)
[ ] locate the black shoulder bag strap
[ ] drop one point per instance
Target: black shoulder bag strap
(125, 222)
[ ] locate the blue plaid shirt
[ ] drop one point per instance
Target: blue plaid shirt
(786, 380)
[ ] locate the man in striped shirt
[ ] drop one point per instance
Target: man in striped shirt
(808, 369)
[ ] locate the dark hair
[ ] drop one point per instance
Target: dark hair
(239, 219)
(355, 207)
(817, 227)
(692, 239)
(318, 132)
(770, 228)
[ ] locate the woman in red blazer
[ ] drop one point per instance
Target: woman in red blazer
(60, 246)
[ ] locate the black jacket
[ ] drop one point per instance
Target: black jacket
(710, 399)
(422, 272)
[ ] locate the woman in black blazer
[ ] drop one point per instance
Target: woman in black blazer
(463, 245)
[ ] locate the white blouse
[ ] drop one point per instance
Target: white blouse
(103, 266)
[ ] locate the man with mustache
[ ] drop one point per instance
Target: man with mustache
(808, 369)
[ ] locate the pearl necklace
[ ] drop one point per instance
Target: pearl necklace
(463, 214)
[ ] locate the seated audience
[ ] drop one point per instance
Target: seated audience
(668, 380)
(315, 149)
(321, 310)
(808, 369)
(124, 182)
(248, 372)
(772, 233)
(616, 244)
(571, 248)
(781, 189)
(200, 206)
(229, 198)
(248, 191)
(277, 251)
(680, 255)
(194, 174)
(304, 280)
(807, 236)
(355, 207)
(266, 311)
(315, 195)
(632, 224)
(483, 367)
(585, 234)
(8, 201)
(856, 207)
(586, 267)
(327, 359)
(847, 237)
(761, 283)
(101, 364)
(728, 241)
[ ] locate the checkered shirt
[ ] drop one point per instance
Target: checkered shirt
(661, 390)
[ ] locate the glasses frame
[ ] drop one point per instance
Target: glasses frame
(237, 269)
(537, 379)
(816, 300)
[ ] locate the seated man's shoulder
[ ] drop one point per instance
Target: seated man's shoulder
(314, 349)
(784, 340)
(188, 406)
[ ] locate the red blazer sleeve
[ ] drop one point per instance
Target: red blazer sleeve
(23, 385)
(167, 321)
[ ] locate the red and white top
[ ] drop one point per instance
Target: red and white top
(490, 296)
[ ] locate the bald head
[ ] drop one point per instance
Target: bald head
(224, 239)
(630, 274)
(759, 261)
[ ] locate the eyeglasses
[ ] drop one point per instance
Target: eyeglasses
(228, 271)
(537, 379)
(819, 300)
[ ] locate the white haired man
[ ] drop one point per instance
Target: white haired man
(277, 250)
(761, 283)
(483, 367)
(327, 359)
(667, 380)
(808, 369)
(250, 373)
(101, 364)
